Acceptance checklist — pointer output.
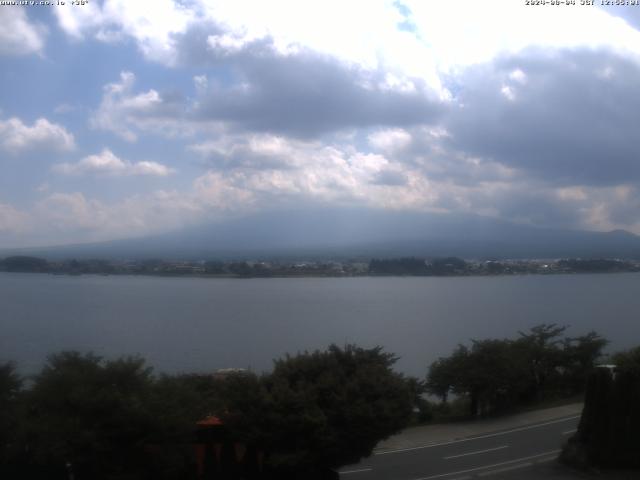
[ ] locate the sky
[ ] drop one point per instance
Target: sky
(124, 118)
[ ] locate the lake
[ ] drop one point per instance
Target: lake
(202, 324)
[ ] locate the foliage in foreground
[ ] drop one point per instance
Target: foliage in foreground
(332, 408)
(609, 430)
(496, 375)
(100, 418)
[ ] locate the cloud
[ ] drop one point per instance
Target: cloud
(629, 13)
(124, 112)
(12, 220)
(393, 37)
(282, 74)
(18, 36)
(573, 121)
(302, 96)
(276, 171)
(390, 178)
(252, 152)
(116, 20)
(448, 107)
(16, 137)
(468, 33)
(390, 140)
(61, 214)
(106, 163)
(307, 95)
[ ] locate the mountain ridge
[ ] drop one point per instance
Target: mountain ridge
(356, 233)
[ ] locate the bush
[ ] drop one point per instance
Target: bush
(104, 419)
(331, 408)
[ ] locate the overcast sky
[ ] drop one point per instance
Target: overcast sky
(123, 118)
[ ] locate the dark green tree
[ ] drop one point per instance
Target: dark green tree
(579, 358)
(499, 374)
(22, 263)
(177, 402)
(423, 407)
(608, 433)
(489, 374)
(90, 415)
(445, 374)
(330, 408)
(494, 376)
(10, 389)
(628, 360)
(541, 346)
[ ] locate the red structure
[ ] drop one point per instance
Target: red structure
(220, 456)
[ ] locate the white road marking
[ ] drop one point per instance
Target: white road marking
(356, 471)
(451, 442)
(545, 460)
(476, 452)
(505, 469)
(485, 467)
(569, 432)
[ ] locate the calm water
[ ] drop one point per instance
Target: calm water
(192, 324)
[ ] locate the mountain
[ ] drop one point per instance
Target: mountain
(357, 233)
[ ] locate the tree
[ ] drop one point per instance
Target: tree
(177, 402)
(498, 374)
(580, 355)
(423, 406)
(445, 373)
(330, 408)
(398, 266)
(609, 431)
(10, 388)
(494, 377)
(22, 263)
(543, 355)
(490, 374)
(90, 414)
(628, 360)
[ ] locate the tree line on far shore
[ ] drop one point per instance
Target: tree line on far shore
(115, 419)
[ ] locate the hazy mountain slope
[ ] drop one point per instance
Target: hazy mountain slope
(360, 233)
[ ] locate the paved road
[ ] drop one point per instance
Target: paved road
(486, 455)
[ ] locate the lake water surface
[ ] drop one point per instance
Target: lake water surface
(200, 324)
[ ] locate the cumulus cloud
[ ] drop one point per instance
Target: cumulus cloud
(571, 122)
(89, 219)
(277, 170)
(390, 140)
(629, 13)
(301, 95)
(19, 36)
(116, 20)
(282, 74)
(16, 136)
(307, 95)
(252, 151)
(393, 37)
(389, 177)
(418, 107)
(12, 220)
(106, 163)
(124, 112)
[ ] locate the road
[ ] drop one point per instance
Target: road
(486, 455)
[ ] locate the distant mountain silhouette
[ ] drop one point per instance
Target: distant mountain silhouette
(358, 233)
